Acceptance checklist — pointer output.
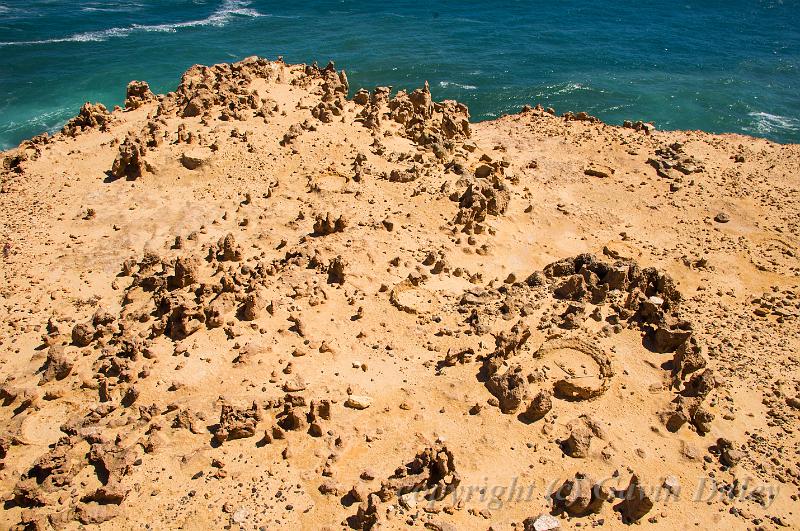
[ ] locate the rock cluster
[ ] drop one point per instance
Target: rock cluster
(221, 88)
(328, 225)
(581, 116)
(334, 92)
(130, 162)
(580, 496)
(672, 163)
(649, 300)
(137, 94)
(90, 117)
(430, 476)
(638, 125)
(236, 423)
(425, 122)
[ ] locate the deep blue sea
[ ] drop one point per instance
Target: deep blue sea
(716, 65)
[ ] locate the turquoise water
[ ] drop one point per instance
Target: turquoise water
(721, 66)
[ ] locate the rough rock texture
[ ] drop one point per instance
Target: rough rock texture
(89, 117)
(636, 502)
(236, 423)
(541, 404)
(244, 303)
(580, 496)
(130, 162)
(510, 388)
(137, 94)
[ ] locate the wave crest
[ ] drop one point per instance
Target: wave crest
(561, 89)
(445, 84)
(229, 10)
(765, 123)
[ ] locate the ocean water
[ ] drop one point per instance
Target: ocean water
(716, 65)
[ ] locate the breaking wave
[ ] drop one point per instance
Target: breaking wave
(561, 88)
(445, 84)
(49, 121)
(229, 10)
(765, 123)
(100, 8)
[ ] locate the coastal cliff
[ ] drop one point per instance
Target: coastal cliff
(259, 302)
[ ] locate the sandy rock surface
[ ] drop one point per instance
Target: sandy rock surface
(255, 303)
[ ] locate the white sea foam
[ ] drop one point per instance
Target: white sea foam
(122, 8)
(229, 10)
(614, 108)
(561, 88)
(765, 123)
(568, 88)
(445, 84)
(50, 121)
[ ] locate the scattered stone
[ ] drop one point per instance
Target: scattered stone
(580, 496)
(294, 385)
(541, 404)
(358, 402)
(728, 454)
(510, 388)
(672, 484)
(598, 170)
(543, 522)
(579, 440)
(57, 366)
(329, 225)
(236, 423)
(83, 334)
(195, 158)
(636, 502)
